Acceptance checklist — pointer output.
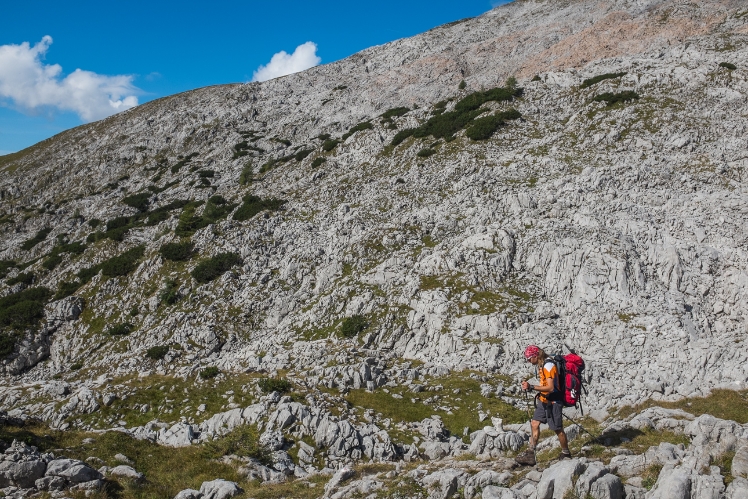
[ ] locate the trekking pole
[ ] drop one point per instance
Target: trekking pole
(595, 438)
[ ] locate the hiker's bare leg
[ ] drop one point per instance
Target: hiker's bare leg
(535, 425)
(561, 434)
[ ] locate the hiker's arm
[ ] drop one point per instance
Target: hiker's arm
(544, 388)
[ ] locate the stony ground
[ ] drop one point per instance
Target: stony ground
(288, 256)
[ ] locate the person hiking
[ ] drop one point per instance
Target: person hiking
(550, 406)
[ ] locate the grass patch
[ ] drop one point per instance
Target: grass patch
(597, 79)
(723, 404)
(464, 412)
(214, 267)
(650, 475)
(39, 237)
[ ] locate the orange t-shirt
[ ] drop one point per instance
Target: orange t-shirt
(547, 372)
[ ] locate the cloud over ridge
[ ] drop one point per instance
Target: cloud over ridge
(29, 84)
(282, 63)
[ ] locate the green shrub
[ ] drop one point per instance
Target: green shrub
(76, 366)
(330, 144)
(475, 100)
(252, 205)
(5, 266)
(323, 136)
(611, 98)
(94, 222)
(353, 325)
(55, 256)
(536, 78)
(394, 113)
(123, 264)
(23, 309)
(484, 128)
(462, 85)
(206, 173)
(121, 329)
(243, 441)
(170, 294)
(214, 267)
(39, 237)
(67, 288)
(188, 222)
(402, 135)
(366, 125)
(157, 352)
(728, 65)
(178, 166)
(138, 201)
(318, 161)
(7, 343)
(215, 210)
(22, 314)
(425, 153)
(246, 176)
(177, 252)
(209, 372)
(269, 385)
(303, 154)
(597, 79)
(24, 277)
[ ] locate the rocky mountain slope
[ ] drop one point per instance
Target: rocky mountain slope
(382, 236)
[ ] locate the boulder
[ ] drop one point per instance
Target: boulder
(673, 483)
(559, 479)
(444, 483)
(126, 472)
(740, 462)
(494, 492)
(22, 474)
(219, 489)
(72, 470)
(738, 489)
(189, 494)
(179, 435)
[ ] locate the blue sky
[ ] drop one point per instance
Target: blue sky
(146, 50)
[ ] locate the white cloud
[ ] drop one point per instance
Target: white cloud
(281, 64)
(32, 85)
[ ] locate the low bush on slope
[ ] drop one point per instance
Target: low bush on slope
(20, 311)
(217, 208)
(117, 228)
(39, 237)
(214, 267)
(614, 98)
(597, 79)
(55, 256)
(177, 252)
(252, 205)
(446, 124)
(119, 265)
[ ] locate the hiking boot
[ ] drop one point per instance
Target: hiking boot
(564, 455)
(527, 458)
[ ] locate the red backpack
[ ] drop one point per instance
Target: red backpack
(569, 380)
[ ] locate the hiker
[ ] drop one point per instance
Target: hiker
(550, 406)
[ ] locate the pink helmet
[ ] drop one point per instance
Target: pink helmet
(531, 351)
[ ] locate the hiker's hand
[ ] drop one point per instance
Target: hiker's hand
(526, 386)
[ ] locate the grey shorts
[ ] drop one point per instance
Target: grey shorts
(551, 414)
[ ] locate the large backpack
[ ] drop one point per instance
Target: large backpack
(569, 382)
